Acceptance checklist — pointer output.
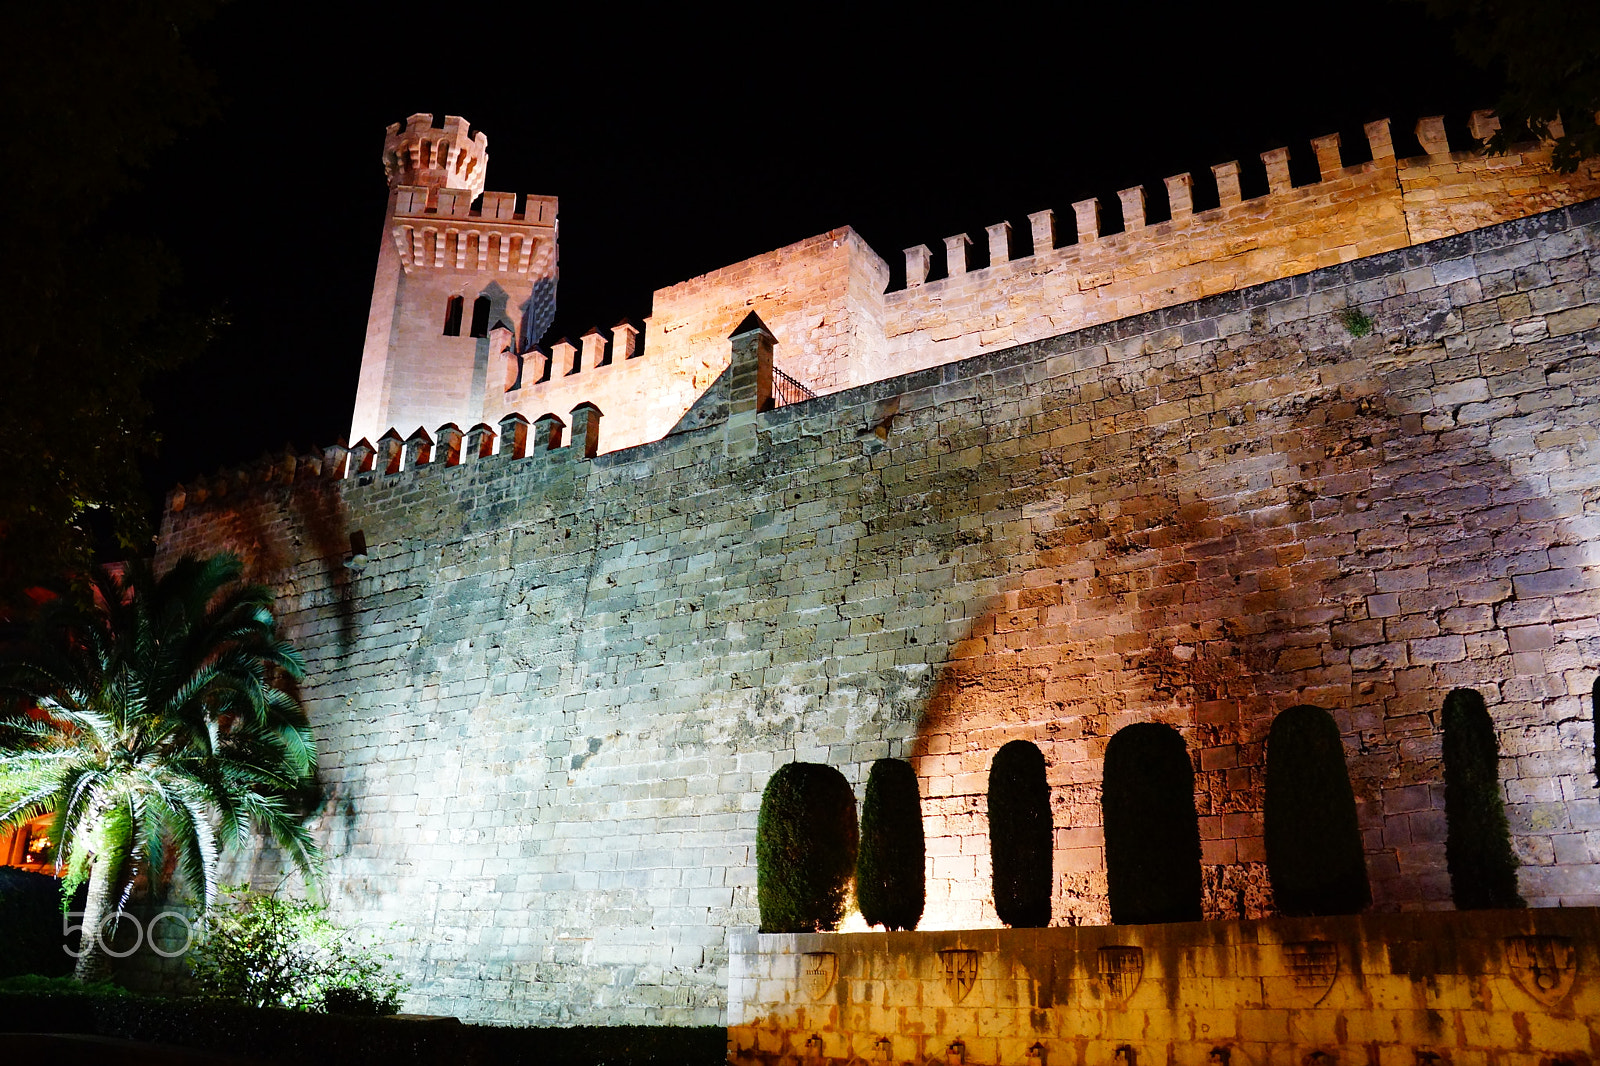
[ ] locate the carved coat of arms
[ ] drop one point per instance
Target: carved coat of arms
(1313, 965)
(1120, 971)
(818, 971)
(1542, 966)
(960, 971)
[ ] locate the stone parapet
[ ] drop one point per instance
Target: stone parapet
(1469, 989)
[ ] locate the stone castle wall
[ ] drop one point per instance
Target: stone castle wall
(825, 298)
(1354, 211)
(549, 703)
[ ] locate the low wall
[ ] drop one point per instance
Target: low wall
(1437, 989)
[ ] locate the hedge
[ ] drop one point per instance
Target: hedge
(890, 886)
(31, 925)
(1020, 836)
(1483, 868)
(1152, 833)
(295, 1036)
(1314, 855)
(806, 838)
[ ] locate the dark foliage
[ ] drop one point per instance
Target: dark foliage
(1152, 832)
(889, 871)
(86, 315)
(1020, 835)
(30, 925)
(1314, 853)
(806, 838)
(295, 1036)
(1549, 54)
(1483, 868)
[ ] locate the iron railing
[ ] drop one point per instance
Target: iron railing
(786, 390)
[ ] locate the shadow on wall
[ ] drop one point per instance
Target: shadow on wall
(538, 312)
(1309, 540)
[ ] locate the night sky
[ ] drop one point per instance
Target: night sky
(681, 142)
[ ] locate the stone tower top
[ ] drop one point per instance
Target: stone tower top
(418, 153)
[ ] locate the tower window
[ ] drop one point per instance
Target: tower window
(480, 317)
(452, 317)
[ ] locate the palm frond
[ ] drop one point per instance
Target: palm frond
(155, 724)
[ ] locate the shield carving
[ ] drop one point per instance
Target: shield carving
(1313, 964)
(818, 971)
(1120, 971)
(960, 972)
(1543, 966)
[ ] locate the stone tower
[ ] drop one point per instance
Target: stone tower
(457, 286)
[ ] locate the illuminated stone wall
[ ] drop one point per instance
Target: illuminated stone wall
(822, 297)
(825, 298)
(548, 705)
(1354, 211)
(1468, 988)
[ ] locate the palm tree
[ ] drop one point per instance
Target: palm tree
(155, 722)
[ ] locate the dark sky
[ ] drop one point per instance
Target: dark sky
(680, 142)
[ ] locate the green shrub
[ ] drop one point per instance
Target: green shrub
(1314, 854)
(889, 871)
(1483, 868)
(271, 951)
(63, 984)
(1355, 321)
(1021, 837)
(806, 838)
(31, 929)
(1152, 832)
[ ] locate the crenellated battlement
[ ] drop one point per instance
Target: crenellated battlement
(839, 323)
(452, 157)
(439, 229)
(1093, 270)
(527, 373)
(548, 438)
(1090, 226)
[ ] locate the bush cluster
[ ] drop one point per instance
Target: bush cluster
(1021, 835)
(806, 839)
(1314, 855)
(1483, 868)
(890, 886)
(272, 951)
(1151, 830)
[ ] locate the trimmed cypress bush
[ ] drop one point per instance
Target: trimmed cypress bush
(1020, 836)
(1314, 853)
(805, 849)
(889, 871)
(1483, 868)
(1152, 831)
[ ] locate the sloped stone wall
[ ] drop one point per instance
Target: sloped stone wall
(548, 704)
